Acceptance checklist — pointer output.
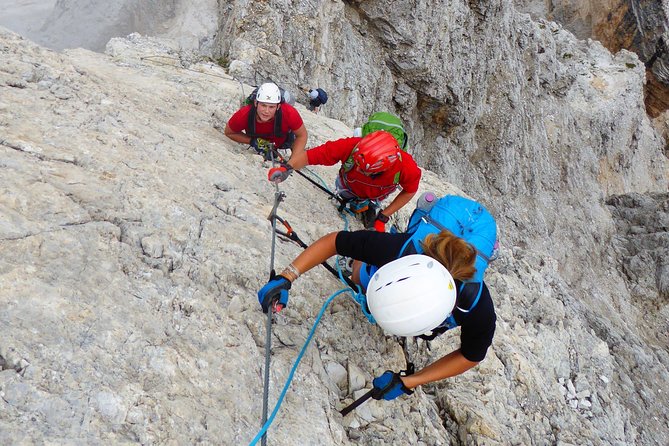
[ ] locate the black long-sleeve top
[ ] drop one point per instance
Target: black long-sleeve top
(477, 326)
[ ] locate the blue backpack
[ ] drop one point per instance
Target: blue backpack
(465, 218)
(322, 95)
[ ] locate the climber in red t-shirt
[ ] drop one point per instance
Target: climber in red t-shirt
(268, 118)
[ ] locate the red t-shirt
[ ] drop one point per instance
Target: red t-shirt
(290, 120)
(363, 186)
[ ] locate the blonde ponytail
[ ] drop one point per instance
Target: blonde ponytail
(454, 253)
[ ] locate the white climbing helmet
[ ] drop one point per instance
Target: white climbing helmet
(269, 93)
(411, 296)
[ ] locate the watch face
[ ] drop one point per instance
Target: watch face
(382, 217)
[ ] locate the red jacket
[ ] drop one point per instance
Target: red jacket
(361, 185)
(290, 120)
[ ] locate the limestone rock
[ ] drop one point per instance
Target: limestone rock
(134, 235)
(638, 26)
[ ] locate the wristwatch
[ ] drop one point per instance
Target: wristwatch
(383, 218)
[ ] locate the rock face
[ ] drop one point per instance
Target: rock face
(134, 235)
(639, 26)
(25, 17)
(465, 113)
(475, 120)
(91, 23)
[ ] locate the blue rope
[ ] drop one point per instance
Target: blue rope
(358, 296)
(295, 364)
(361, 300)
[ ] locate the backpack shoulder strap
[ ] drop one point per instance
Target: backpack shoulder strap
(347, 165)
(278, 120)
(475, 300)
(412, 245)
(408, 248)
(251, 122)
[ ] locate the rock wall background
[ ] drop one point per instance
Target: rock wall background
(638, 26)
(25, 17)
(61, 24)
(134, 234)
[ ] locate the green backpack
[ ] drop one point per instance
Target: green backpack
(388, 122)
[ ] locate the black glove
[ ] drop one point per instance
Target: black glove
(389, 386)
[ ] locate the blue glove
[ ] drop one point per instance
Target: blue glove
(389, 386)
(254, 144)
(275, 290)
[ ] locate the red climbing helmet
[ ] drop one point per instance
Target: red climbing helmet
(377, 152)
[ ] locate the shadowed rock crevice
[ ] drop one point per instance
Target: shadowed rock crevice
(10, 360)
(36, 153)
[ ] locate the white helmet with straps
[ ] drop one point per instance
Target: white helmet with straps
(269, 93)
(411, 295)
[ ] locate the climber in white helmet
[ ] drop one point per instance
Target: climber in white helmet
(268, 118)
(317, 98)
(408, 294)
